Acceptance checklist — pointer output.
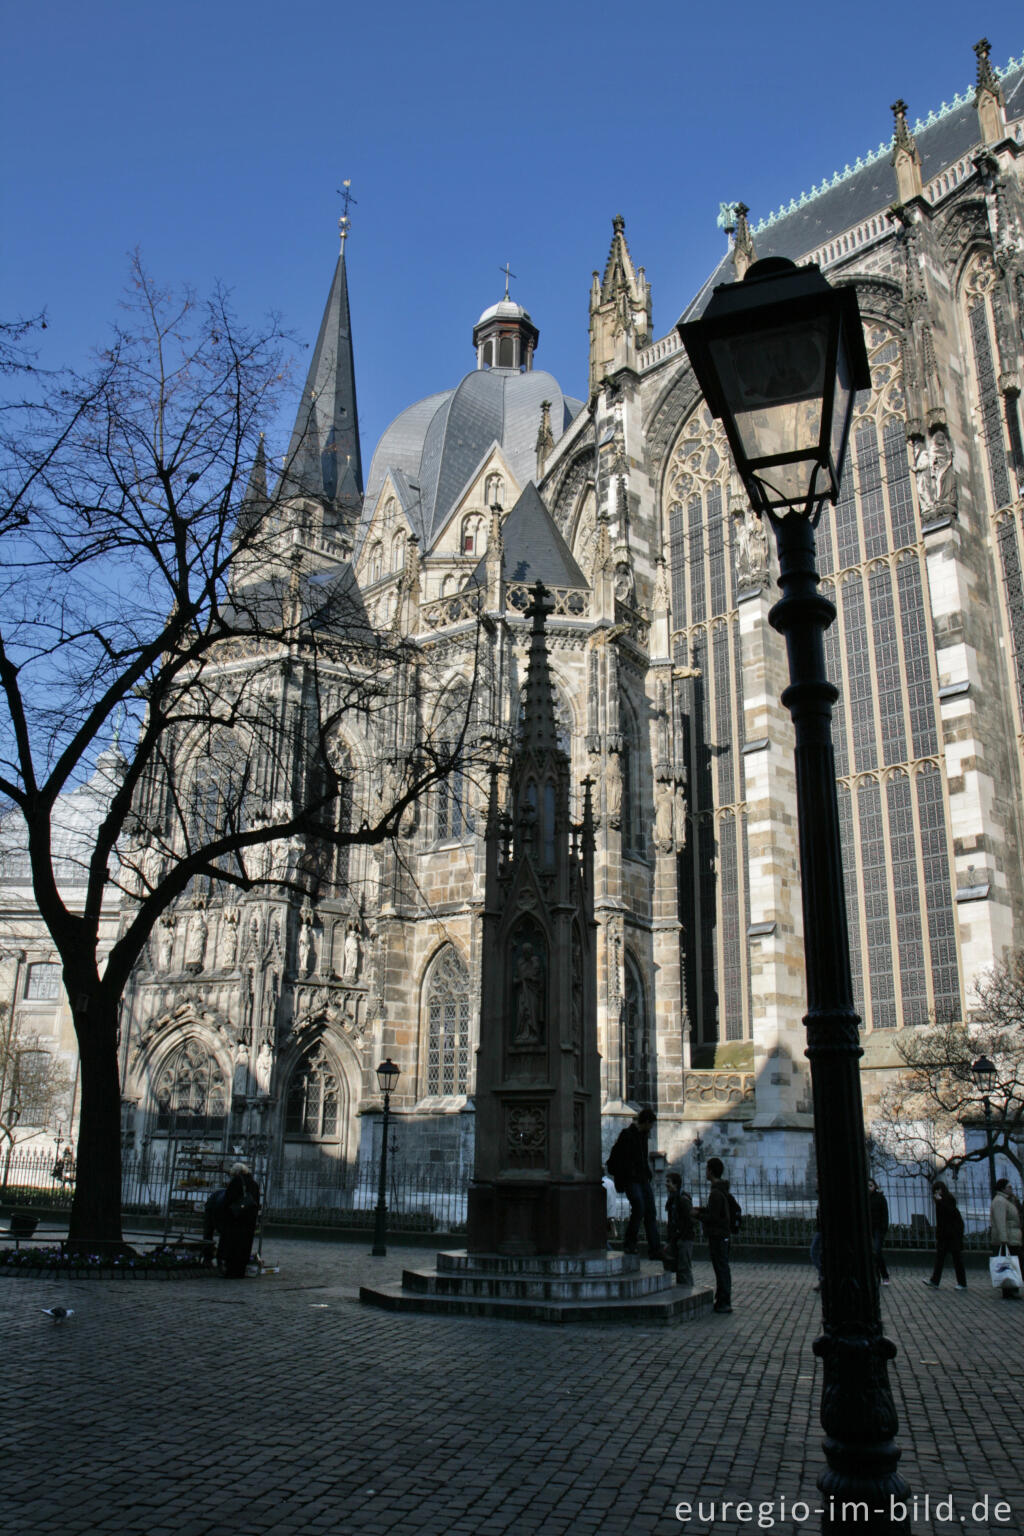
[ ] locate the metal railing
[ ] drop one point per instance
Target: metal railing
(432, 1196)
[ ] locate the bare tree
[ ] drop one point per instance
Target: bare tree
(196, 643)
(925, 1113)
(34, 1084)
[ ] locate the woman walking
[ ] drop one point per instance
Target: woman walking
(879, 1209)
(1007, 1229)
(949, 1237)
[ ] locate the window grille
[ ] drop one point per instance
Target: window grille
(447, 1008)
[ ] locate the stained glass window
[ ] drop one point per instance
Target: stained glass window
(447, 1007)
(313, 1093)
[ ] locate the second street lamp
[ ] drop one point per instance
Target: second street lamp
(779, 358)
(387, 1077)
(984, 1074)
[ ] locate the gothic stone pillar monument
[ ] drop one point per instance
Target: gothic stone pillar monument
(536, 1186)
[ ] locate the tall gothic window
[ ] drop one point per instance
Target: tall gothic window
(313, 1097)
(494, 491)
(375, 563)
(634, 839)
(446, 1002)
(472, 542)
(453, 818)
(191, 1092)
(637, 1049)
(890, 774)
(397, 551)
(42, 982)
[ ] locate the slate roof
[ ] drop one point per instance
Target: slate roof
(331, 603)
(941, 142)
(440, 442)
(532, 547)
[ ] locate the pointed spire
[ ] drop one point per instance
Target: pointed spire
(620, 310)
(256, 499)
(906, 158)
(540, 732)
(323, 457)
(545, 437)
(743, 253)
(988, 96)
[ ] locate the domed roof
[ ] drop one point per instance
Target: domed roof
(439, 443)
(505, 309)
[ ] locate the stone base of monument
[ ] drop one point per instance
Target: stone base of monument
(584, 1288)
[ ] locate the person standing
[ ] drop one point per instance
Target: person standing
(1007, 1229)
(681, 1231)
(239, 1214)
(878, 1207)
(629, 1164)
(716, 1219)
(949, 1237)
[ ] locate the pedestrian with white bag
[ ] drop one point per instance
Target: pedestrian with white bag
(1007, 1239)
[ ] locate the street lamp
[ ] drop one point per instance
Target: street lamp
(387, 1077)
(984, 1074)
(779, 357)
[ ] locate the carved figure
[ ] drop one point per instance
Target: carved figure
(527, 983)
(264, 1067)
(664, 817)
(679, 817)
(195, 941)
(350, 966)
(624, 583)
(240, 1077)
(165, 943)
(943, 472)
(923, 476)
(613, 789)
(305, 943)
(751, 547)
(229, 937)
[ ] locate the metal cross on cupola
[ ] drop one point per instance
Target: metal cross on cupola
(508, 274)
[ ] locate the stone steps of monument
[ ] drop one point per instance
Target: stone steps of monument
(540, 1286)
(604, 1265)
(661, 1308)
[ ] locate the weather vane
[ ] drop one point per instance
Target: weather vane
(508, 274)
(344, 192)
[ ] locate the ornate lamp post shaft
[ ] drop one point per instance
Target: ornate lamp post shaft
(857, 1409)
(387, 1076)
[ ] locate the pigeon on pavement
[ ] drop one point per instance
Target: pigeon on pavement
(59, 1314)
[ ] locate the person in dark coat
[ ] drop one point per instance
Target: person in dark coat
(213, 1220)
(630, 1166)
(681, 1230)
(716, 1219)
(949, 1237)
(239, 1215)
(878, 1207)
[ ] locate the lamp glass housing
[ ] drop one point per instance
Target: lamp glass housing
(387, 1075)
(984, 1074)
(779, 358)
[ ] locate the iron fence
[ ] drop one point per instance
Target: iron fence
(431, 1197)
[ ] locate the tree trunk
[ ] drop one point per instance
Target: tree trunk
(95, 1225)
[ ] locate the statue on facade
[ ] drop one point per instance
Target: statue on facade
(264, 1068)
(613, 789)
(228, 937)
(305, 942)
(679, 817)
(240, 1076)
(165, 943)
(664, 817)
(751, 547)
(527, 984)
(624, 586)
(196, 934)
(943, 471)
(350, 964)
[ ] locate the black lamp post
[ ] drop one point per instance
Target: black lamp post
(984, 1074)
(387, 1077)
(779, 357)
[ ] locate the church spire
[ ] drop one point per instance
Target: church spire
(540, 731)
(620, 310)
(323, 457)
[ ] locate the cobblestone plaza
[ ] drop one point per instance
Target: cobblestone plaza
(281, 1405)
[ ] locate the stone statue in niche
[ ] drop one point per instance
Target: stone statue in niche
(528, 997)
(196, 934)
(923, 476)
(679, 817)
(305, 942)
(624, 587)
(613, 789)
(943, 472)
(264, 1068)
(240, 1077)
(165, 943)
(664, 817)
(350, 963)
(751, 547)
(228, 937)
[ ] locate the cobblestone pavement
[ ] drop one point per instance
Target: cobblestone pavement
(281, 1405)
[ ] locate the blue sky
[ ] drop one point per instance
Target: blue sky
(214, 136)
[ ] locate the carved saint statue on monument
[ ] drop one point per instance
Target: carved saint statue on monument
(165, 943)
(264, 1067)
(613, 789)
(228, 937)
(527, 985)
(663, 817)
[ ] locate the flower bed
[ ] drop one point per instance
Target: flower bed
(162, 1263)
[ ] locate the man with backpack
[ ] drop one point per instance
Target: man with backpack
(719, 1218)
(629, 1165)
